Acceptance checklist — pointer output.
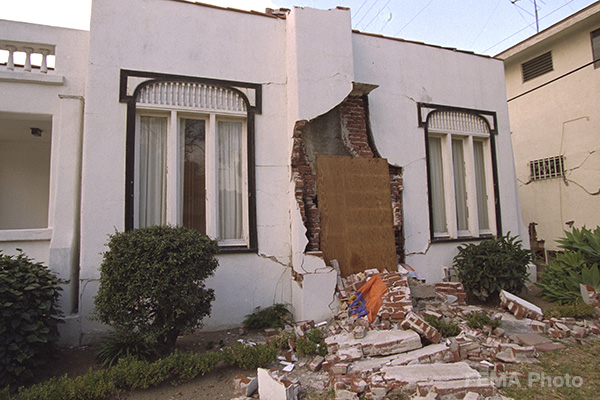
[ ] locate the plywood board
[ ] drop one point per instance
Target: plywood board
(356, 213)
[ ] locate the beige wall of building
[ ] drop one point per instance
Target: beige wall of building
(557, 114)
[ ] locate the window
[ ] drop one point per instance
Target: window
(191, 160)
(546, 168)
(596, 47)
(537, 66)
(461, 183)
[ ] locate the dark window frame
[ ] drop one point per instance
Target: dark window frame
(425, 110)
(148, 78)
(595, 41)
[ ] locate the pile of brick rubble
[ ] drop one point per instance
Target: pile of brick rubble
(401, 354)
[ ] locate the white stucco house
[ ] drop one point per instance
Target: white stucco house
(239, 124)
(553, 90)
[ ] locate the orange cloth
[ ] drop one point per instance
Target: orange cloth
(372, 292)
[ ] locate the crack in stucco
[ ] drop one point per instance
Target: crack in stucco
(274, 259)
(423, 252)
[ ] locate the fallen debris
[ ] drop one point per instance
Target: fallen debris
(399, 353)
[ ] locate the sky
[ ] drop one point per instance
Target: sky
(482, 26)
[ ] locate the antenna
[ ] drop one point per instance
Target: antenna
(537, 22)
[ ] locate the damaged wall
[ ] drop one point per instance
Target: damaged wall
(409, 73)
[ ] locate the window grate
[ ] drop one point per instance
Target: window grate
(537, 66)
(546, 168)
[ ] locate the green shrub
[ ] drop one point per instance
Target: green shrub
(29, 319)
(446, 329)
(125, 344)
(152, 282)
(274, 316)
(249, 357)
(487, 268)
(312, 344)
(477, 320)
(577, 264)
(282, 339)
(129, 374)
(574, 310)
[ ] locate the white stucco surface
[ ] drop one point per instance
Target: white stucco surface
(305, 64)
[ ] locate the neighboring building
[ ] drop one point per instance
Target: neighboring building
(226, 121)
(553, 90)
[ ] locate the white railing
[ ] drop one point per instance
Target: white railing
(26, 57)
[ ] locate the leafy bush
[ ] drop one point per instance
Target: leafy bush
(577, 264)
(249, 357)
(125, 344)
(446, 329)
(575, 310)
(152, 282)
(477, 320)
(29, 319)
(274, 316)
(487, 268)
(282, 339)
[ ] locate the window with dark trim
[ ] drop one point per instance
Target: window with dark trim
(595, 36)
(462, 175)
(190, 158)
(537, 66)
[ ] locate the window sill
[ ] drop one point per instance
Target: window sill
(31, 77)
(25, 235)
(461, 239)
(237, 249)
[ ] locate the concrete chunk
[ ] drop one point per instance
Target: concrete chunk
(246, 385)
(273, 386)
(454, 389)
(520, 307)
(378, 343)
(413, 374)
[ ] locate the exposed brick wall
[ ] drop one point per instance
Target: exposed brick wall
(396, 187)
(353, 122)
(305, 180)
(354, 127)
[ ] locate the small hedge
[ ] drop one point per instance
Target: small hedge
(29, 317)
(131, 373)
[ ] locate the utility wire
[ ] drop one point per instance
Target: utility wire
(366, 13)
(413, 18)
(360, 8)
(521, 15)
(486, 23)
(521, 30)
(553, 80)
(376, 15)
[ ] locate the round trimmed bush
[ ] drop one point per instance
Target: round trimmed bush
(29, 317)
(152, 282)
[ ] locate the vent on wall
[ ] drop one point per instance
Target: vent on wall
(546, 168)
(537, 66)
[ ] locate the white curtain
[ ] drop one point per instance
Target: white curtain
(151, 174)
(460, 187)
(438, 204)
(481, 185)
(229, 180)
